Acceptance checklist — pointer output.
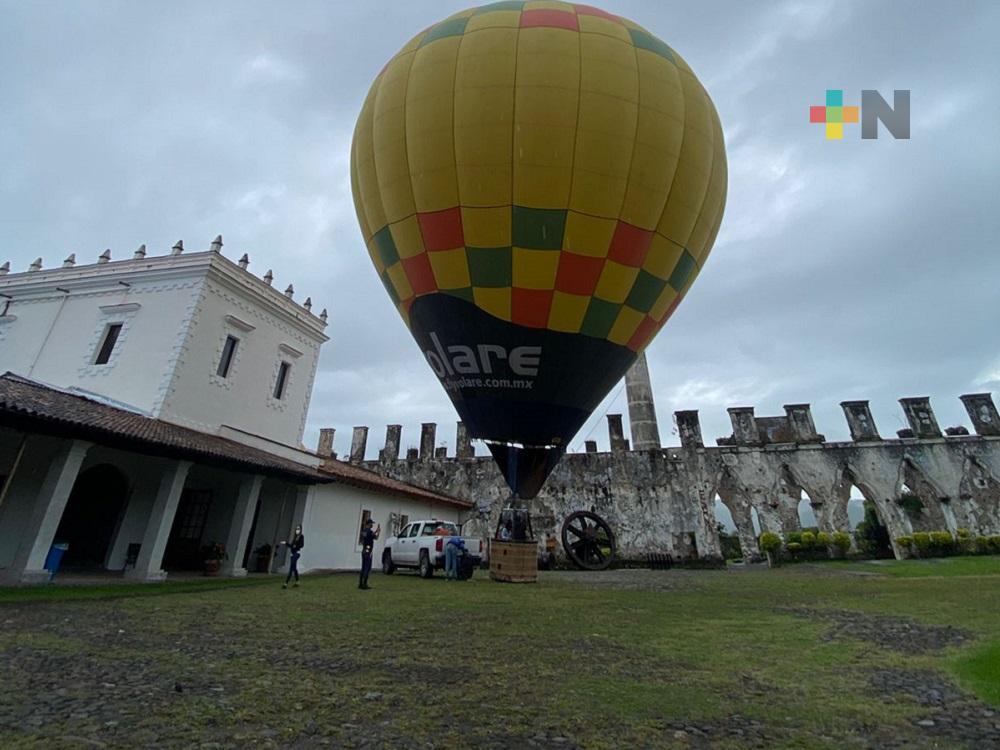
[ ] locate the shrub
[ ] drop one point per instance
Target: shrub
(904, 541)
(965, 543)
(994, 544)
(824, 540)
(770, 542)
(794, 537)
(731, 549)
(942, 542)
(922, 541)
(808, 540)
(983, 545)
(842, 541)
(794, 548)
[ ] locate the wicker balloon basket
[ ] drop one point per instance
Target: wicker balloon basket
(514, 562)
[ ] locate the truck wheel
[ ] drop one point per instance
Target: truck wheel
(387, 566)
(426, 569)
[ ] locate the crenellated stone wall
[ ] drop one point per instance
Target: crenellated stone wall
(662, 500)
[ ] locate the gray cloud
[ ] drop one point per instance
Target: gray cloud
(851, 269)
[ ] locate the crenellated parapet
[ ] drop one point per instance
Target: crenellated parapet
(142, 260)
(664, 500)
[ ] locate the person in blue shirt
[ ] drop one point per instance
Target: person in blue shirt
(453, 548)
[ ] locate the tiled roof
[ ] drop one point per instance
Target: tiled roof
(351, 474)
(31, 406)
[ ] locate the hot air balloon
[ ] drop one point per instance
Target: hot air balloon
(538, 185)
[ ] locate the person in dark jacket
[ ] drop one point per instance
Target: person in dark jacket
(368, 537)
(295, 545)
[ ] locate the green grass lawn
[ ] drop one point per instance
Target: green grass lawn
(623, 659)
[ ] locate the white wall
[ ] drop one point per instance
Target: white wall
(333, 521)
(54, 337)
(176, 312)
(201, 399)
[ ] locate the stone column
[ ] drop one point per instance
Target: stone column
(359, 441)
(46, 512)
(428, 431)
(800, 422)
(982, 412)
(616, 433)
(161, 519)
(921, 417)
(325, 447)
(860, 421)
(689, 427)
(393, 434)
(744, 425)
(239, 528)
(641, 409)
(463, 444)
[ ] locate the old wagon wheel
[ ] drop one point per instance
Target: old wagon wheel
(588, 540)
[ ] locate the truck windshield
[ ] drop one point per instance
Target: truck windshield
(430, 529)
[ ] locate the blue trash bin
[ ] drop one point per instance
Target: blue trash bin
(54, 558)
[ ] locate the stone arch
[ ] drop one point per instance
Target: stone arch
(805, 511)
(789, 496)
(932, 516)
(887, 513)
(979, 497)
(835, 516)
(95, 507)
(723, 516)
(726, 526)
(740, 510)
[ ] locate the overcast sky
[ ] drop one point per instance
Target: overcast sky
(844, 269)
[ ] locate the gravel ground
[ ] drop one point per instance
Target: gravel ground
(892, 633)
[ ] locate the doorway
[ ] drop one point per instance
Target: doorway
(184, 544)
(91, 516)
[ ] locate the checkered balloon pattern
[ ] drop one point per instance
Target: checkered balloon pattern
(555, 165)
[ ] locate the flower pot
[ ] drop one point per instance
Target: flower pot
(212, 567)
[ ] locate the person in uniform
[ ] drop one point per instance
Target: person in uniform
(368, 537)
(295, 545)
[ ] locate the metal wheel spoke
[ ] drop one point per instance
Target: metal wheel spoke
(592, 544)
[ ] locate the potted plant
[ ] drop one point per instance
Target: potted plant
(213, 554)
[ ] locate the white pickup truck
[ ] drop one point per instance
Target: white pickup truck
(420, 545)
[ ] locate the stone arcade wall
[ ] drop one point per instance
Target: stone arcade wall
(663, 499)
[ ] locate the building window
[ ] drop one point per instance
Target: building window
(365, 515)
(282, 381)
(108, 343)
(228, 352)
(403, 520)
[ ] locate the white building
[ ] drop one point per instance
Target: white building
(155, 405)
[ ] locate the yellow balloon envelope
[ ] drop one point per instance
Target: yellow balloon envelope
(538, 185)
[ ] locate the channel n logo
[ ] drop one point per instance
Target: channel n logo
(873, 109)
